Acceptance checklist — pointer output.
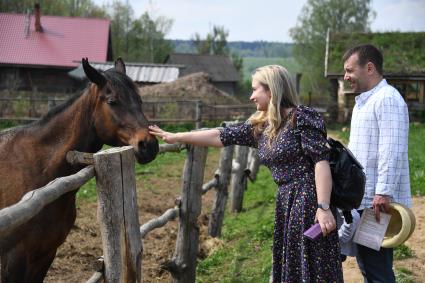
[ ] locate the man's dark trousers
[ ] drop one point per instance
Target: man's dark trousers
(376, 266)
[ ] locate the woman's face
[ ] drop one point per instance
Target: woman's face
(260, 96)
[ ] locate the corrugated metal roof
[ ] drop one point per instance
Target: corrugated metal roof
(63, 40)
(138, 72)
(219, 67)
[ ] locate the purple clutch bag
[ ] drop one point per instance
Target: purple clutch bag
(314, 232)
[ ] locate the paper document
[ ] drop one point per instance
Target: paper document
(370, 233)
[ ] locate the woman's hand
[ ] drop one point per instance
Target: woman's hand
(326, 220)
(165, 136)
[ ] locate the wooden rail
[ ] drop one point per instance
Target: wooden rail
(33, 202)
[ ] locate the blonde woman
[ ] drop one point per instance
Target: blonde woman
(292, 143)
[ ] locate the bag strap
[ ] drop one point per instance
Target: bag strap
(338, 144)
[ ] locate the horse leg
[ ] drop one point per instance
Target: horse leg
(33, 247)
(18, 267)
(14, 266)
(40, 267)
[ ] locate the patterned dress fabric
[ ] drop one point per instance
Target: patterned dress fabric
(291, 158)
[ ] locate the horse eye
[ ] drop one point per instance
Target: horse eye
(111, 101)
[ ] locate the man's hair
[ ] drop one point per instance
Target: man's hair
(366, 53)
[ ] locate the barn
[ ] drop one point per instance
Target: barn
(37, 52)
(220, 69)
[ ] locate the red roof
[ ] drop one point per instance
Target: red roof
(63, 40)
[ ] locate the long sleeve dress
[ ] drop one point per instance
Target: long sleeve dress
(291, 158)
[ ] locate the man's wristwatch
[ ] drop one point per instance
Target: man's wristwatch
(324, 206)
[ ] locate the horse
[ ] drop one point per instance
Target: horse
(108, 111)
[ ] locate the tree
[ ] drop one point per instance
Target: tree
(147, 39)
(309, 34)
(215, 43)
(78, 8)
(141, 39)
(120, 15)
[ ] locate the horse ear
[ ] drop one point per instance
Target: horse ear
(92, 74)
(119, 65)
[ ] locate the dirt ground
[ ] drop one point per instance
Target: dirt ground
(76, 259)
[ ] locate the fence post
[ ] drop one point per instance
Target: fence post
(198, 117)
(253, 163)
(51, 103)
(219, 207)
(118, 214)
(239, 179)
(183, 265)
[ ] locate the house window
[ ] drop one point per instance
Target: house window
(410, 90)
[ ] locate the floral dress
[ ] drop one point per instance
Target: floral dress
(291, 158)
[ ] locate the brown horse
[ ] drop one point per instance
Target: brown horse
(108, 112)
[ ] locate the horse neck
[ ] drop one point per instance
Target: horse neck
(72, 128)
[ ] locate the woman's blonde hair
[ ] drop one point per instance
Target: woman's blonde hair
(283, 95)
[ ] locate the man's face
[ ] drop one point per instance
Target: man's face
(356, 75)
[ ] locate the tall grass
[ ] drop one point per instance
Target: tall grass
(417, 158)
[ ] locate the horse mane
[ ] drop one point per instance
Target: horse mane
(58, 109)
(115, 78)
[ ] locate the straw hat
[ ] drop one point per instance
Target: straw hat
(401, 226)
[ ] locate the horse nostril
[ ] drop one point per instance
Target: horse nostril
(147, 151)
(143, 145)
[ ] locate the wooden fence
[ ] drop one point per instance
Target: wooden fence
(116, 187)
(27, 109)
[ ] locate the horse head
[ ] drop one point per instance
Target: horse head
(118, 117)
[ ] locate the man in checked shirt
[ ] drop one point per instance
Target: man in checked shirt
(378, 139)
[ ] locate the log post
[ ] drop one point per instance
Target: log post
(183, 265)
(118, 214)
(51, 103)
(239, 177)
(219, 206)
(198, 113)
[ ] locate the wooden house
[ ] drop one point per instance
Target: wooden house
(221, 70)
(37, 52)
(404, 66)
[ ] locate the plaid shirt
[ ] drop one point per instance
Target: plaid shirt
(379, 140)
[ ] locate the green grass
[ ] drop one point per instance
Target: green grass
(246, 255)
(417, 158)
(403, 275)
(5, 124)
(402, 252)
(148, 172)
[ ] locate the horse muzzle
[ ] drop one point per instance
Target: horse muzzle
(146, 150)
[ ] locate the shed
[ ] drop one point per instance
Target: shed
(141, 73)
(404, 66)
(220, 68)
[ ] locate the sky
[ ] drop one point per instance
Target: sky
(268, 20)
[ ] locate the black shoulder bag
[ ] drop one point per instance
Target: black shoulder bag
(348, 178)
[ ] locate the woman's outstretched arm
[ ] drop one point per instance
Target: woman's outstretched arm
(209, 137)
